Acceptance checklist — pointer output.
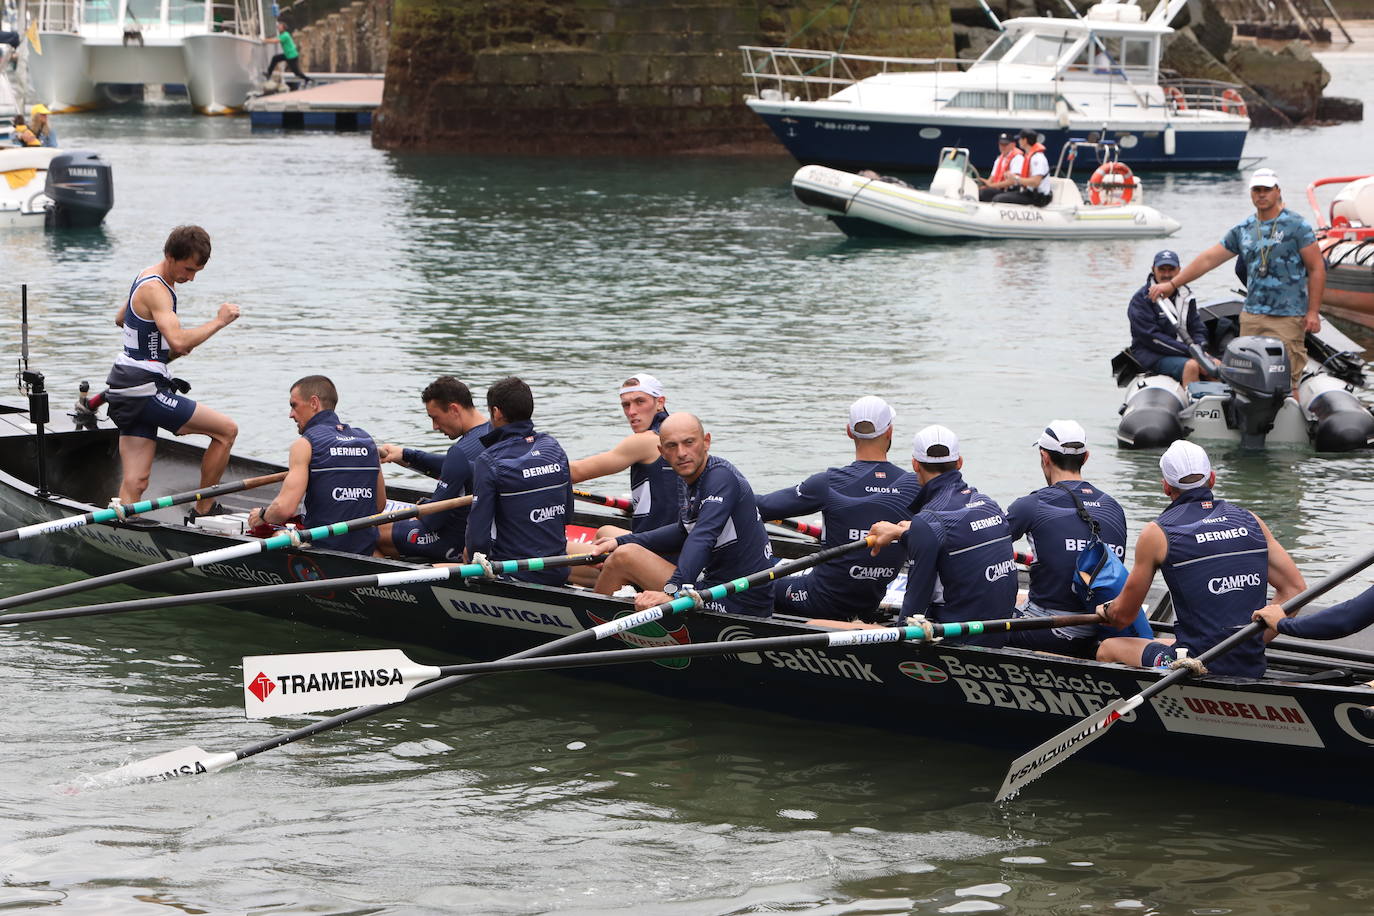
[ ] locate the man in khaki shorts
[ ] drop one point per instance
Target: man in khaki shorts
(1284, 274)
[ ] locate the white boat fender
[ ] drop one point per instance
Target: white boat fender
(1061, 111)
(1150, 416)
(1341, 423)
(1170, 140)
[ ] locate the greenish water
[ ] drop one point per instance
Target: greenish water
(528, 794)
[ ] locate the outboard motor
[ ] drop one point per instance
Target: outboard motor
(81, 187)
(1256, 369)
(1149, 418)
(1340, 423)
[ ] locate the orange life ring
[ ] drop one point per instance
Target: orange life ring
(1231, 101)
(1112, 185)
(1174, 96)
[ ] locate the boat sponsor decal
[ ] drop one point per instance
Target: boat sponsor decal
(842, 125)
(303, 569)
(1024, 216)
(813, 661)
(1352, 720)
(924, 672)
(1031, 688)
(732, 633)
(131, 545)
(580, 534)
(238, 572)
(1266, 717)
(651, 634)
(507, 612)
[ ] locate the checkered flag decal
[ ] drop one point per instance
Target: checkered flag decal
(1170, 708)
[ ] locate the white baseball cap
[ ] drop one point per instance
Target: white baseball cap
(870, 416)
(935, 445)
(1185, 466)
(643, 381)
(1064, 436)
(1264, 178)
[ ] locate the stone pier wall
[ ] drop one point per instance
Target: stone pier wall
(353, 39)
(613, 76)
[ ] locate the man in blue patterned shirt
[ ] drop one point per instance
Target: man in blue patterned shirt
(1285, 275)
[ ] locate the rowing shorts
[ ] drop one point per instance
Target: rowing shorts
(167, 410)
(1060, 640)
(794, 595)
(411, 540)
(1155, 653)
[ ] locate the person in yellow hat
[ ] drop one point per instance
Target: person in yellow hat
(22, 136)
(41, 128)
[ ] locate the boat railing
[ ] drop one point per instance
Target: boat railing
(1184, 95)
(100, 19)
(57, 15)
(799, 74)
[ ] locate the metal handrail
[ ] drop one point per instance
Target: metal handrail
(778, 68)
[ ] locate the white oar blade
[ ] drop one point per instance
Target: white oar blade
(189, 761)
(1031, 765)
(291, 685)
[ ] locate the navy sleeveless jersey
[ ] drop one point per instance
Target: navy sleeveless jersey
(522, 499)
(142, 340)
(655, 489)
(343, 480)
(454, 472)
(962, 565)
(1048, 518)
(1217, 570)
(850, 499)
(718, 536)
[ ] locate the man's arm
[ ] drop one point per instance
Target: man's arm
(1344, 619)
(381, 491)
(717, 505)
(1210, 258)
(637, 448)
(924, 550)
(1316, 284)
(1284, 576)
(807, 496)
(478, 537)
(157, 302)
(1150, 551)
(293, 487)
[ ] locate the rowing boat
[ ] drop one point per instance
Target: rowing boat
(1305, 718)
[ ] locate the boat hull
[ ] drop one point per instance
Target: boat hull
(1009, 698)
(852, 140)
(221, 69)
(60, 76)
(1349, 292)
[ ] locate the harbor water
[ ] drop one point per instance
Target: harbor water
(537, 793)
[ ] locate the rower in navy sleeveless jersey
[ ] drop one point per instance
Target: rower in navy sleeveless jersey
(142, 395)
(521, 489)
(1219, 561)
(333, 469)
(441, 536)
(851, 500)
(959, 543)
(717, 537)
(1049, 519)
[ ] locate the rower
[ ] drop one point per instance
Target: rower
(441, 536)
(1218, 561)
(1029, 174)
(718, 535)
(143, 396)
(959, 542)
(1049, 519)
(333, 468)
(851, 500)
(521, 489)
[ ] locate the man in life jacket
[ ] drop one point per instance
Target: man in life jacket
(999, 179)
(851, 499)
(333, 469)
(1219, 561)
(1030, 178)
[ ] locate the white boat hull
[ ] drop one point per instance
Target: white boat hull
(845, 196)
(24, 206)
(60, 76)
(221, 69)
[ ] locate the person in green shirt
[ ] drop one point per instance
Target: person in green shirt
(289, 53)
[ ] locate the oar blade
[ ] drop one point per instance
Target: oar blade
(293, 685)
(1031, 765)
(189, 761)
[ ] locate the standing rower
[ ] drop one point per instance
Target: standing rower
(143, 396)
(448, 402)
(333, 469)
(851, 500)
(718, 535)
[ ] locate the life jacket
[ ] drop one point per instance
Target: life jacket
(1026, 159)
(1004, 161)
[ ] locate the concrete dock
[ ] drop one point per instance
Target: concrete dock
(339, 104)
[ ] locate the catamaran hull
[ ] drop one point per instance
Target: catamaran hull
(60, 76)
(221, 69)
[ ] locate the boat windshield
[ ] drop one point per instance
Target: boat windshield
(998, 49)
(98, 11)
(1042, 49)
(143, 13)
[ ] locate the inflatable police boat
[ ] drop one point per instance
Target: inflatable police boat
(1251, 404)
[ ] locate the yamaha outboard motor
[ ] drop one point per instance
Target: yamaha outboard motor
(81, 188)
(1256, 369)
(1149, 418)
(1340, 422)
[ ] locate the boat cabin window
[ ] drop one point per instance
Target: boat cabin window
(186, 12)
(1139, 57)
(998, 49)
(95, 11)
(987, 99)
(1042, 50)
(142, 13)
(1033, 101)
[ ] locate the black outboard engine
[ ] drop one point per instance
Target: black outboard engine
(81, 187)
(1256, 369)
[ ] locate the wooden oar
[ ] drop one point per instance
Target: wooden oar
(191, 761)
(288, 685)
(235, 551)
(292, 589)
(1034, 764)
(625, 505)
(146, 505)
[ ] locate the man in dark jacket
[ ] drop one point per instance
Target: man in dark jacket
(1156, 342)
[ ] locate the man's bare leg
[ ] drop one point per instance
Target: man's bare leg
(222, 431)
(631, 564)
(136, 457)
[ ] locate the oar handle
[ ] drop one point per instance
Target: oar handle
(444, 505)
(1203, 360)
(793, 525)
(614, 502)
